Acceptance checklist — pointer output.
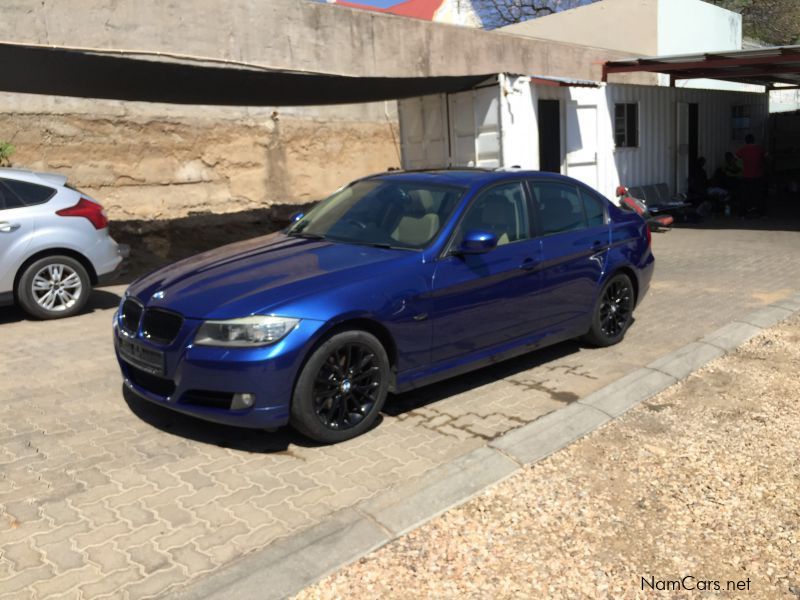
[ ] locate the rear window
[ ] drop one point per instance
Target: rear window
(16, 194)
(595, 209)
(559, 207)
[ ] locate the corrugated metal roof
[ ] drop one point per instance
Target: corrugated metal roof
(563, 81)
(760, 66)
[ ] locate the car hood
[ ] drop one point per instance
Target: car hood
(257, 275)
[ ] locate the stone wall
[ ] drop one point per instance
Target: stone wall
(147, 161)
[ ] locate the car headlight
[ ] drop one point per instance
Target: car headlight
(258, 330)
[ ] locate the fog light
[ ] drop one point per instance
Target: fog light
(241, 401)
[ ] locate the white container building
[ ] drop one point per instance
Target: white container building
(604, 134)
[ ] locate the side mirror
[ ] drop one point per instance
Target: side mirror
(477, 242)
(296, 217)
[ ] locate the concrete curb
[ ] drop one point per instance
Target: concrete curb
(291, 564)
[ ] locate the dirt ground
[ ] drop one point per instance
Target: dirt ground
(693, 493)
(157, 243)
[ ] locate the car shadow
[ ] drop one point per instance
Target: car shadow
(398, 404)
(225, 436)
(279, 441)
(99, 300)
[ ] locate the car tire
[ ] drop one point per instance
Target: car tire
(613, 312)
(53, 287)
(342, 388)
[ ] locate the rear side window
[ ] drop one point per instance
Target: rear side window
(559, 207)
(595, 209)
(16, 194)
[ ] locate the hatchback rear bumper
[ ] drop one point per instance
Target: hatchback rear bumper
(123, 251)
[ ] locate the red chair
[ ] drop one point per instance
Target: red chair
(655, 223)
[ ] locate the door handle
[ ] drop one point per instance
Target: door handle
(598, 245)
(528, 264)
(6, 227)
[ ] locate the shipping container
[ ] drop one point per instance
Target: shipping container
(602, 134)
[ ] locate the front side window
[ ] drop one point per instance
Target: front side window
(381, 212)
(559, 207)
(501, 210)
(626, 125)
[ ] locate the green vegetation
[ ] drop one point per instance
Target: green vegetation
(772, 21)
(6, 151)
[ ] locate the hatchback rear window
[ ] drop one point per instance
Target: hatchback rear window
(16, 194)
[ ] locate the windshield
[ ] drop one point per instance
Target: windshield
(381, 212)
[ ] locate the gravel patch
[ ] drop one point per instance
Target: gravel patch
(698, 484)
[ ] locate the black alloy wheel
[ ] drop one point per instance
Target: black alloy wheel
(342, 388)
(346, 387)
(613, 312)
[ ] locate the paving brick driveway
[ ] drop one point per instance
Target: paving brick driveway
(102, 495)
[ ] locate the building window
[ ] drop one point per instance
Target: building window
(626, 125)
(740, 122)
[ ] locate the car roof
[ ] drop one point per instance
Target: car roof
(466, 177)
(49, 179)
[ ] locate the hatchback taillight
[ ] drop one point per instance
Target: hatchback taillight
(649, 235)
(89, 210)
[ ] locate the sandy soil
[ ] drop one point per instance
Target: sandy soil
(696, 488)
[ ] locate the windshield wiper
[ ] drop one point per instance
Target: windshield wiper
(385, 245)
(377, 245)
(307, 236)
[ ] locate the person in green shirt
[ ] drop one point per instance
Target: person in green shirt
(732, 167)
(731, 180)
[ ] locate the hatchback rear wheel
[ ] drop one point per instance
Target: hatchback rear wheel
(53, 287)
(342, 388)
(613, 312)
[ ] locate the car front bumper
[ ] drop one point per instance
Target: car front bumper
(201, 380)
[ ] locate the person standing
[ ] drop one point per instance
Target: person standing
(753, 158)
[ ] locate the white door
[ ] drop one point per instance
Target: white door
(423, 132)
(581, 159)
(475, 128)
(462, 130)
(682, 148)
(487, 128)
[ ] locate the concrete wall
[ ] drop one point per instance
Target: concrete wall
(152, 161)
(159, 161)
(646, 28)
(693, 26)
(292, 34)
(784, 100)
(622, 25)
(641, 27)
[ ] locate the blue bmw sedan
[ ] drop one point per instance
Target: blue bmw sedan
(396, 281)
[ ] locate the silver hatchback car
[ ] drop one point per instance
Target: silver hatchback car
(54, 244)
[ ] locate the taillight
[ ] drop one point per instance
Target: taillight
(649, 235)
(89, 210)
